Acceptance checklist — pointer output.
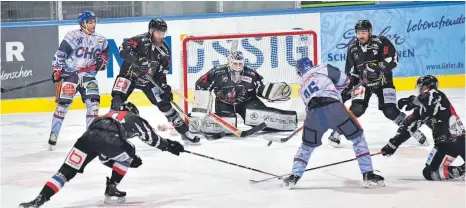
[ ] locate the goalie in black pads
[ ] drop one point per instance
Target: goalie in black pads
(432, 107)
(148, 55)
(237, 88)
(106, 138)
(370, 61)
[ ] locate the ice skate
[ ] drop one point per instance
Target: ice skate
(334, 139)
(53, 141)
(372, 180)
(290, 181)
(112, 191)
(37, 202)
(190, 139)
(421, 138)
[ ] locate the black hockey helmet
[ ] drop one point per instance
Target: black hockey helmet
(428, 81)
(128, 106)
(363, 25)
(158, 24)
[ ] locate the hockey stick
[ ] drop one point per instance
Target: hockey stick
(318, 167)
(285, 139)
(3, 90)
(207, 136)
(228, 126)
(230, 163)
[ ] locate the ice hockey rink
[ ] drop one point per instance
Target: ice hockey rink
(165, 180)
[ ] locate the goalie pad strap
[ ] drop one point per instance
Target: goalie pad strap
(274, 118)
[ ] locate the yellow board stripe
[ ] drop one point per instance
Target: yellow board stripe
(138, 98)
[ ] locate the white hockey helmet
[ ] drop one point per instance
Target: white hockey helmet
(236, 61)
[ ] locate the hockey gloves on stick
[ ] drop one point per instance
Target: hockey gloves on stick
(174, 147)
(389, 149)
(101, 62)
(167, 94)
(136, 162)
(408, 102)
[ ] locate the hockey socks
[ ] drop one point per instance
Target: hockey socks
(53, 185)
(118, 171)
(360, 148)
(301, 159)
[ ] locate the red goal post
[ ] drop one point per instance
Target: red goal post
(272, 54)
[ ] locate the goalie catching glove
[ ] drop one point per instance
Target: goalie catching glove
(280, 91)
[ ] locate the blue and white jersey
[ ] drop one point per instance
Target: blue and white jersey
(323, 80)
(79, 50)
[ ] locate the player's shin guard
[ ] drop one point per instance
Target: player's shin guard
(92, 107)
(360, 148)
(299, 165)
(301, 159)
(57, 122)
(418, 135)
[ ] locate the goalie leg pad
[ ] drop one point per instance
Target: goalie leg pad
(276, 91)
(209, 126)
(274, 118)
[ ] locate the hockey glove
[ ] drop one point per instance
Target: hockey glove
(408, 102)
(56, 75)
(101, 62)
(136, 162)
(174, 147)
(389, 149)
(167, 94)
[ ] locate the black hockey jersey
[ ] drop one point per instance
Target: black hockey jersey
(137, 50)
(379, 53)
(435, 110)
(230, 86)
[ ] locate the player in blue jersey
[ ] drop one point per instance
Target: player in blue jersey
(321, 88)
(81, 54)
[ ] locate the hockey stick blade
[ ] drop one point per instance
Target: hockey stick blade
(253, 130)
(283, 140)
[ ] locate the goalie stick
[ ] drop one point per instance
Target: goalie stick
(207, 136)
(318, 167)
(228, 126)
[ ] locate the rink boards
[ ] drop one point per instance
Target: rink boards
(429, 38)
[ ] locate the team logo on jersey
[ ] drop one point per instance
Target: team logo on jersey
(246, 79)
(87, 53)
(79, 40)
(375, 52)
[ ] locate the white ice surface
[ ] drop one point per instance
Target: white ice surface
(168, 181)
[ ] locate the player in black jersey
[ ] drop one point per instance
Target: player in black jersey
(148, 55)
(370, 60)
(106, 138)
(432, 107)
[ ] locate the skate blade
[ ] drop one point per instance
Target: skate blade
(371, 184)
(189, 143)
(288, 186)
(52, 148)
(114, 200)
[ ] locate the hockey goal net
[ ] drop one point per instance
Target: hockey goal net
(272, 54)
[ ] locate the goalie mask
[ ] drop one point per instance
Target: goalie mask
(426, 82)
(236, 61)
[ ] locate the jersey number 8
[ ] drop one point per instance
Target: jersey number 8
(311, 89)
